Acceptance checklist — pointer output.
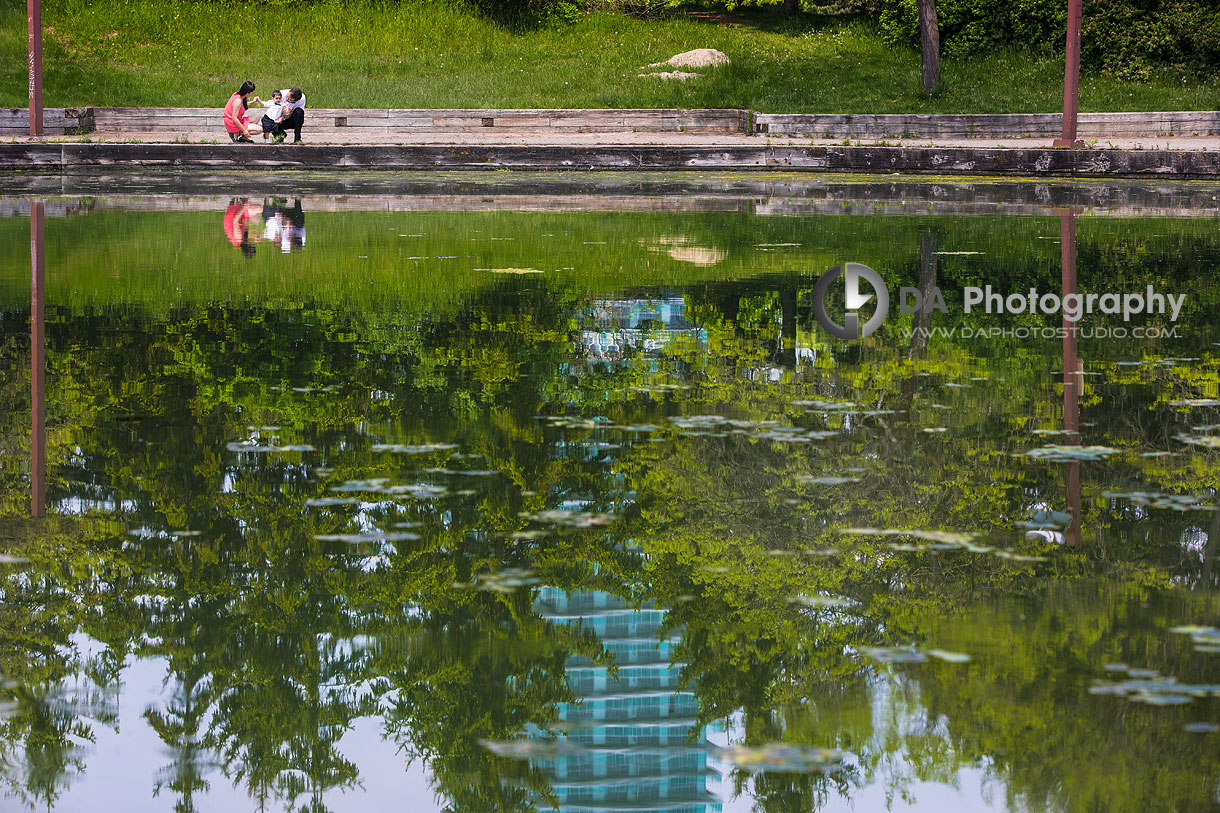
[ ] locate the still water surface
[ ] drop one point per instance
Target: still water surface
(364, 504)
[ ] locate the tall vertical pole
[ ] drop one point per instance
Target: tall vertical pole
(34, 10)
(1072, 379)
(38, 408)
(1071, 76)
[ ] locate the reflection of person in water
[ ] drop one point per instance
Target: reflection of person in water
(237, 225)
(283, 224)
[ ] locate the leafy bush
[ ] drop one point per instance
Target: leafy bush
(973, 26)
(1123, 37)
(527, 12)
(1130, 37)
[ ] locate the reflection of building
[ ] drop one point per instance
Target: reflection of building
(614, 326)
(635, 725)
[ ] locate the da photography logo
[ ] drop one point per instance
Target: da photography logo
(854, 299)
(1070, 307)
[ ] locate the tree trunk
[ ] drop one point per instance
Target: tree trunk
(927, 282)
(790, 7)
(787, 330)
(929, 40)
(922, 323)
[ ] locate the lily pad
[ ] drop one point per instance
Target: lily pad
(419, 448)
(893, 654)
(948, 657)
(504, 581)
(1068, 454)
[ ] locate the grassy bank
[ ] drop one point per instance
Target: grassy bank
(432, 54)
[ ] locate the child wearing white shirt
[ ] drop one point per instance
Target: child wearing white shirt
(272, 114)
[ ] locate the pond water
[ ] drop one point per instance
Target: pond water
(486, 498)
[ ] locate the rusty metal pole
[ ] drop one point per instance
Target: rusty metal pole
(1071, 77)
(38, 434)
(1072, 379)
(34, 10)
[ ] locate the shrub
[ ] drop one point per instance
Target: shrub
(527, 12)
(1124, 37)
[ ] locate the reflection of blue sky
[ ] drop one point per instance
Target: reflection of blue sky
(127, 756)
(899, 781)
(118, 764)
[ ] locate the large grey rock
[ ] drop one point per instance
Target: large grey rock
(698, 58)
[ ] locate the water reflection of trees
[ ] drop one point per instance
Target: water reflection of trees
(275, 642)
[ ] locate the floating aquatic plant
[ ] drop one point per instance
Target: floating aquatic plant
(503, 581)
(948, 657)
(382, 485)
(1201, 728)
(1152, 499)
(569, 422)
(419, 448)
(660, 387)
(826, 480)
(326, 502)
(571, 519)
(953, 538)
(827, 406)
(1149, 687)
(266, 448)
(1205, 639)
(369, 536)
(1203, 441)
(909, 654)
(456, 472)
(1068, 454)
(941, 540)
(893, 654)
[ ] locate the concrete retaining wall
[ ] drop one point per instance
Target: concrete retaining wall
(55, 120)
(374, 121)
(179, 120)
(1001, 125)
(951, 160)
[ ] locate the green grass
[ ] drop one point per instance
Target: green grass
(422, 53)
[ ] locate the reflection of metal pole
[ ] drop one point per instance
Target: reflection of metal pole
(34, 11)
(38, 434)
(1071, 76)
(1072, 379)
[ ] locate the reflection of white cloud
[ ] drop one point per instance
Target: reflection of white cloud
(681, 247)
(697, 255)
